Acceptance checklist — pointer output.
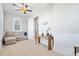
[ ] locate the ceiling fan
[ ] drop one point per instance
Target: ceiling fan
(24, 8)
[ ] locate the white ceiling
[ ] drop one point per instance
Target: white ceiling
(8, 7)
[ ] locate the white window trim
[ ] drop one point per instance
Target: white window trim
(14, 19)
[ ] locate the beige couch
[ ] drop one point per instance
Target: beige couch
(12, 37)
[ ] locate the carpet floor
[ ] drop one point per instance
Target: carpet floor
(27, 48)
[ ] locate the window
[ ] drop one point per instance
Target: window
(16, 24)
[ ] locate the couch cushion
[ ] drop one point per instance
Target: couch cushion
(22, 34)
(10, 40)
(9, 34)
(16, 33)
(19, 38)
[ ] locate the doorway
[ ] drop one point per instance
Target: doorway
(36, 28)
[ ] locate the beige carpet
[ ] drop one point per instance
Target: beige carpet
(27, 48)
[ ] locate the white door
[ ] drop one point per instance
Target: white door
(30, 28)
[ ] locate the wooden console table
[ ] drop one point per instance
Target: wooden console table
(50, 41)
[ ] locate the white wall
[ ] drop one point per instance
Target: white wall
(8, 22)
(64, 26)
(63, 21)
(1, 24)
(64, 18)
(43, 16)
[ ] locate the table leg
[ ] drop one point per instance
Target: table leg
(49, 44)
(38, 39)
(75, 51)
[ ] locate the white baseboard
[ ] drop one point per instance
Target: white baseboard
(64, 51)
(64, 43)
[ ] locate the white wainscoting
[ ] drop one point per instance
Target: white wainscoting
(44, 41)
(1, 24)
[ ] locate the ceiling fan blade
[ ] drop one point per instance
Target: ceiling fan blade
(29, 10)
(17, 10)
(22, 4)
(26, 6)
(16, 5)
